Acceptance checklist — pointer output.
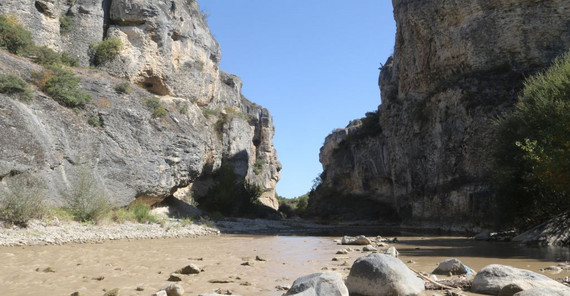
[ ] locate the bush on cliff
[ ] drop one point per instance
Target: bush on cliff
(16, 87)
(63, 86)
(533, 148)
(106, 50)
(13, 37)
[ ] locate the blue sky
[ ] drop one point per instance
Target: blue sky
(312, 63)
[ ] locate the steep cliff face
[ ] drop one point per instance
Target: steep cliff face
(168, 52)
(456, 66)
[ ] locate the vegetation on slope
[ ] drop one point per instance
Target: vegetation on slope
(533, 149)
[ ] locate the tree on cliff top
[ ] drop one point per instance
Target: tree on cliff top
(533, 148)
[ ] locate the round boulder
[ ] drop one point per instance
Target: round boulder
(381, 274)
(545, 292)
(317, 284)
(494, 277)
(453, 267)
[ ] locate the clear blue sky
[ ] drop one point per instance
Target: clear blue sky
(312, 63)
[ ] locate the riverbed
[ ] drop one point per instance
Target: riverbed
(141, 267)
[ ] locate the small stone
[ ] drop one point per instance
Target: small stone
(247, 263)
(160, 293)
(99, 278)
(369, 249)
(245, 284)
(219, 281)
(342, 252)
(189, 269)
(392, 252)
(175, 277)
(76, 294)
(174, 290)
(257, 258)
(114, 292)
(140, 288)
(48, 269)
(283, 288)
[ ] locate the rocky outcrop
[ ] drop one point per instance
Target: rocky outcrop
(553, 232)
(455, 67)
(168, 52)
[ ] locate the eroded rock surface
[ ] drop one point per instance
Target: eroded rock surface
(169, 52)
(426, 158)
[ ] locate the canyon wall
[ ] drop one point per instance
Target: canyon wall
(426, 160)
(169, 53)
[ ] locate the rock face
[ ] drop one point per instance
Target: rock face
(380, 274)
(426, 159)
(316, 284)
(491, 279)
(553, 232)
(168, 52)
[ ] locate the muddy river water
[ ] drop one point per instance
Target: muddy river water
(145, 265)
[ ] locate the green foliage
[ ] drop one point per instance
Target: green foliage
(123, 88)
(94, 121)
(65, 24)
(16, 87)
(48, 57)
(86, 201)
(13, 37)
(142, 214)
(293, 206)
(63, 86)
(153, 105)
(532, 157)
(105, 50)
(258, 166)
(230, 196)
(22, 201)
(184, 109)
(210, 112)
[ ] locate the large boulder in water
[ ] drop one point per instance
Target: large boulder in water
(355, 240)
(453, 267)
(492, 278)
(381, 274)
(319, 284)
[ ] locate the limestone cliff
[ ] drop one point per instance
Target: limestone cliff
(169, 52)
(456, 66)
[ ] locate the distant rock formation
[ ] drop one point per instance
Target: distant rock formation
(455, 67)
(169, 52)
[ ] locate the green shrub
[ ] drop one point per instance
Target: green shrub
(63, 86)
(86, 201)
(94, 121)
(48, 57)
(13, 37)
(22, 201)
(258, 166)
(105, 50)
(532, 157)
(123, 88)
(15, 86)
(65, 24)
(184, 109)
(142, 213)
(153, 105)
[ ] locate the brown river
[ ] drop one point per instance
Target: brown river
(142, 267)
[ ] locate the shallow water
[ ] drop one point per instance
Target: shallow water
(147, 263)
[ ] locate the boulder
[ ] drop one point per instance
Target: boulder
(174, 290)
(316, 284)
(510, 290)
(545, 292)
(392, 252)
(358, 240)
(381, 274)
(175, 277)
(453, 267)
(494, 277)
(369, 249)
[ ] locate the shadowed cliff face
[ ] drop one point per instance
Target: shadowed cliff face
(456, 66)
(168, 52)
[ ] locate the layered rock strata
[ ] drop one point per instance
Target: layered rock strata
(168, 52)
(456, 66)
